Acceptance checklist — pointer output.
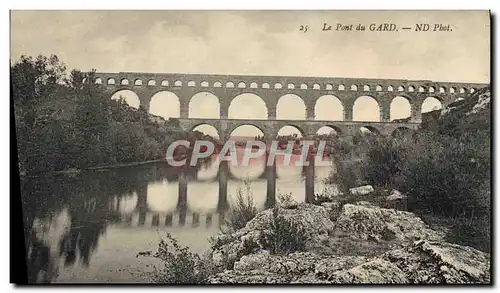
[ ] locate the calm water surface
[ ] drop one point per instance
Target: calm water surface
(90, 227)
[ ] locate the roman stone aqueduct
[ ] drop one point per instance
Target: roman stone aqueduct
(271, 88)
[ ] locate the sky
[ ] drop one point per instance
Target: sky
(261, 43)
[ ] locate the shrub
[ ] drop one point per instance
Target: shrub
(181, 266)
(284, 236)
(241, 212)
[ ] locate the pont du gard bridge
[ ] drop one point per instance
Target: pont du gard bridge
(271, 88)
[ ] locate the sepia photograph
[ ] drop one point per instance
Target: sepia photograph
(251, 146)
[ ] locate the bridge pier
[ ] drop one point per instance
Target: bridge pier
(184, 109)
(271, 183)
(222, 204)
(348, 109)
(310, 178)
(385, 109)
(416, 112)
(182, 196)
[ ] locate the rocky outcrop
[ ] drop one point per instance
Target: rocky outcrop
(422, 262)
(350, 243)
(361, 190)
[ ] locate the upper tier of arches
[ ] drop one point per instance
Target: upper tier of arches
(325, 84)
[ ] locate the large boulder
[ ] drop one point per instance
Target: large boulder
(365, 221)
(362, 244)
(315, 221)
(441, 263)
(422, 262)
(361, 190)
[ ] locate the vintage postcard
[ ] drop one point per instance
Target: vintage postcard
(245, 147)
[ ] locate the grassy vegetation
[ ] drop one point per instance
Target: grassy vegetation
(240, 212)
(284, 236)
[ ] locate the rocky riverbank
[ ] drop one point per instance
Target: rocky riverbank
(350, 243)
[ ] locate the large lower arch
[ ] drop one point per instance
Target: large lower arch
(366, 108)
(165, 104)
(329, 130)
(329, 107)
(431, 104)
(368, 130)
(400, 108)
(130, 97)
(290, 107)
(206, 129)
(247, 106)
(401, 132)
(204, 105)
(290, 131)
(255, 167)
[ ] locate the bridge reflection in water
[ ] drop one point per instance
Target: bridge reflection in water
(207, 208)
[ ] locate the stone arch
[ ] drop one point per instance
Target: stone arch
(401, 131)
(432, 104)
(254, 85)
(400, 108)
(138, 82)
(242, 85)
(401, 88)
(431, 89)
(291, 86)
(247, 106)
(329, 87)
(462, 90)
(241, 134)
(278, 85)
(290, 130)
(378, 88)
(411, 89)
(341, 87)
(130, 97)
(217, 84)
(98, 80)
(328, 129)
(204, 84)
(452, 90)
(390, 88)
(366, 88)
(164, 83)
(354, 87)
(151, 82)
(303, 86)
(329, 107)
(111, 81)
(292, 109)
(316, 86)
(472, 90)
(247, 129)
(421, 89)
(442, 89)
(265, 85)
(206, 129)
(191, 83)
(158, 202)
(371, 129)
(124, 81)
(165, 104)
(177, 83)
(230, 84)
(204, 105)
(366, 108)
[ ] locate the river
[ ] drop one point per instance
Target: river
(89, 227)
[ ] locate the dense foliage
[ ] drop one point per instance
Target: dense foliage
(63, 121)
(444, 168)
